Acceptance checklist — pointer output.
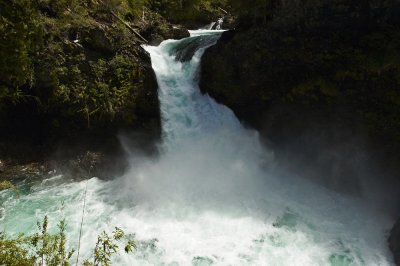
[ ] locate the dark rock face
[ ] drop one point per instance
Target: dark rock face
(303, 81)
(394, 242)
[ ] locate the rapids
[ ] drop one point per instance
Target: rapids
(212, 197)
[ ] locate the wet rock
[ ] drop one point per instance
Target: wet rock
(77, 166)
(394, 242)
(92, 164)
(179, 32)
(5, 185)
(15, 171)
(84, 165)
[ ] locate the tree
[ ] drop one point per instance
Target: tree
(19, 36)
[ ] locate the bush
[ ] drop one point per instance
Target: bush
(19, 38)
(43, 248)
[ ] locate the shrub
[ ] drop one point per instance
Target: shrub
(43, 248)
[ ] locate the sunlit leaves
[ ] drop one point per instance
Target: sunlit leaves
(107, 245)
(44, 248)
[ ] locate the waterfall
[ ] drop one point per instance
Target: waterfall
(188, 117)
(213, 197)
(211, 25)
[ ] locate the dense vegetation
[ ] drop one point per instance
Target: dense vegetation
(51, 249)
(70, 67)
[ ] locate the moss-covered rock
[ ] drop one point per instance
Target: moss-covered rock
(6, 185)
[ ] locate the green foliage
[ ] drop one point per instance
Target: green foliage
(20, 36)
(127, 8)
(189, 11)
(103, 92)
(137, 6)
(6, 185)
(76, 66)
(107, 246)
(13, 252)
(60, 7)
(50, 249)
(43, 248)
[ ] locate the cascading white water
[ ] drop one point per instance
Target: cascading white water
(213, 196)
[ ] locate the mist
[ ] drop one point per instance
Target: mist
(339, 157)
